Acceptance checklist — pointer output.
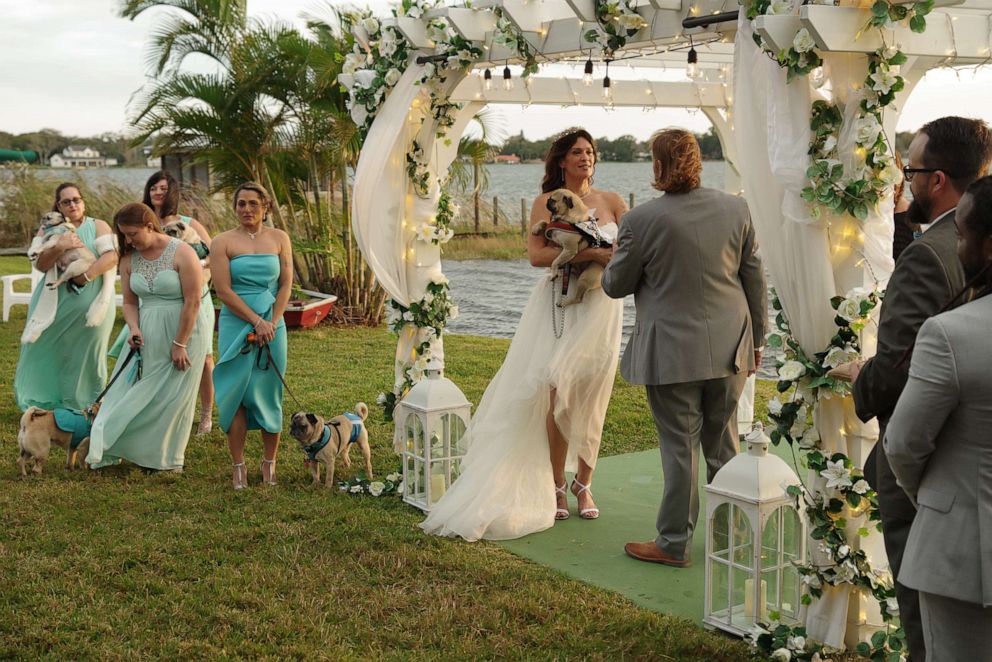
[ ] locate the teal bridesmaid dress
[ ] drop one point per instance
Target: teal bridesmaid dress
(147, 420)
(66, 367)
(243, 376)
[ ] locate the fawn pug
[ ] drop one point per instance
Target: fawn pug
(188, 234)
(40, 428)
(572, 227)
(73, 262)
(326, 441)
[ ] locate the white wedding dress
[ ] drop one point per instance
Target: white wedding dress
(506, 489)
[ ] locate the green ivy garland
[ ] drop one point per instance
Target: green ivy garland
(618, 20)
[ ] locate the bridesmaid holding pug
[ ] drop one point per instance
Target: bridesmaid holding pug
(253, 276)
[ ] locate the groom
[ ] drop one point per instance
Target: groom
(689, 257)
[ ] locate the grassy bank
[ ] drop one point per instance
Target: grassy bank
(118, 564)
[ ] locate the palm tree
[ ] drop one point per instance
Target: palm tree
(473, 153)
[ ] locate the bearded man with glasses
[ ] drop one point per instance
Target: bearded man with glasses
(945, 157)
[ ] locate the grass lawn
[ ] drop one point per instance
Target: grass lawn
(118, 564)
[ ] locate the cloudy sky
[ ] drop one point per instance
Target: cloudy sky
(72, 65)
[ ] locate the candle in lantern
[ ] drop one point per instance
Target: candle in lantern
(437, 486)
(749, 599)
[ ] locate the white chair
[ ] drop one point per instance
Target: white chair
(10, 297)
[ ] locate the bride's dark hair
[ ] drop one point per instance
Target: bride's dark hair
(554, 178)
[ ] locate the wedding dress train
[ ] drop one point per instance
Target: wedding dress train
(505, 489)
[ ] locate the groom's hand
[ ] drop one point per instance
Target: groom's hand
(757, 362)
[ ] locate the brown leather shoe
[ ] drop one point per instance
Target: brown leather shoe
(648, 551)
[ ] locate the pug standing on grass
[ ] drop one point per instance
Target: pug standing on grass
(573, 227)
(40, 428)
(325, 441)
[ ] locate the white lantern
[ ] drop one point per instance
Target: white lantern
(755, 536)
(430, 423)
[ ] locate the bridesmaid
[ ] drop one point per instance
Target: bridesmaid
(146, 417)
(64, 366)
(253, 276)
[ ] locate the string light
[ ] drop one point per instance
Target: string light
(587, 76)
(607, 83)
(488, 78)
(507, 78)
(692, 66)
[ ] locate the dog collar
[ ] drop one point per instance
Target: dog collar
(318, 445)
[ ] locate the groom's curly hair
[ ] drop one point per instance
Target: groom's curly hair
(681, 162)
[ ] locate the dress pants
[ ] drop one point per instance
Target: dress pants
(956, 631)
(897, 513)
(688, 416)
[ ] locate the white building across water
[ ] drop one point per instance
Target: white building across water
(75, 156)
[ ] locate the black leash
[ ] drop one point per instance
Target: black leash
(130, 355)
(270, 363)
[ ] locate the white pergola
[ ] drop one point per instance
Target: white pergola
(385, 219)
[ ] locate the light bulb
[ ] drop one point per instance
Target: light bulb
(488, 78)
(587, 76)
(507, 79)
(692, 68)
(607, 87)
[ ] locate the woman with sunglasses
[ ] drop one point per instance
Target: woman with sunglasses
(63, 350)
(253, 275)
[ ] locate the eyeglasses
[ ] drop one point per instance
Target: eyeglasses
(909, 173)
(69, 202)
(251, 204)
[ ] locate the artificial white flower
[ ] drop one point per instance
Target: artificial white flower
(429, 70)
(829, 144)
(356, 489)
(365, 78)
(892, 605)
(359, 114)
(812, 580)
(797, 643)
(453, 313)
(798, 428)
(347, 80)
(381, 399)
(387, 43)
(414, 12)
(392, 77)
(371, 26)
(343, 487)
(791, 371)
(425, 232)
(849, 309)
(810, 439)
(438, 32)
(428, 298)
(838, 355)
(376, 488)
(803, 42)
(780, 7)
(861, 486)
(843, 551)
(421, 363)
(837, 474)
(439, 278)
(890, 52)
(407, 316)
(774, 406)
(867, 129)
(781, 655)
(890, 174)
(846, 572)
(883, 80)
(352, 63)
(755, 632)
(393, 477)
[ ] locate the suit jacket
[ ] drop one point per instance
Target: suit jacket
(939, 445)
(927, 274)
(690, 260)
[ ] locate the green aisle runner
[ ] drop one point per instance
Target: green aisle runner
(627, 489)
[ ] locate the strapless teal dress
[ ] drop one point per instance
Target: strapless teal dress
(243, 376)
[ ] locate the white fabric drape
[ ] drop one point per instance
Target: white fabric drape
(809, 261)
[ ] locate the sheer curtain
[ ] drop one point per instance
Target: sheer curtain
(810, 260)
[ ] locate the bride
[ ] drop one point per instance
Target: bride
(543, 412)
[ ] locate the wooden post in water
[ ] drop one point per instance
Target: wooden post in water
(495, 211)
(631, 199)
(523, 217)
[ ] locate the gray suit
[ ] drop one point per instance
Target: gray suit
(939, 446)
(690, 261)
(927, 274)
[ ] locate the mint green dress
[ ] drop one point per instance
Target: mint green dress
(147, 421)
(243, 376)
(66, 366)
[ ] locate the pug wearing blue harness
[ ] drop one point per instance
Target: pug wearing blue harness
(40, 428)
(324, 442)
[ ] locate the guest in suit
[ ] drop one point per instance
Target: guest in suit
(938, 445)
(945, 157)
(690, 259)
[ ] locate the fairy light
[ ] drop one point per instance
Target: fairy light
(607, 83)
(507, 78)
(487, 77)
(587, 75)
(692, 61)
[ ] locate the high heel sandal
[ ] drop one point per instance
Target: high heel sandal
(206, 422)
(561, 513)
(271, 480)
(584, 513)
(239, 476)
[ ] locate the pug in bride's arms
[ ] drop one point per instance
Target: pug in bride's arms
(573, 227)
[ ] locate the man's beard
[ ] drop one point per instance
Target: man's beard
(918, 212)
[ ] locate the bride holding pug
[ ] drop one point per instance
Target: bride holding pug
(543, 412)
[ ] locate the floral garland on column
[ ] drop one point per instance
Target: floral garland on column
(618, 20)
(845, 492)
